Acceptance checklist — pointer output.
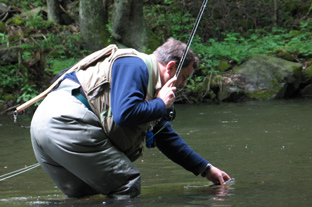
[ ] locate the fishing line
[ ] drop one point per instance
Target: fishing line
(171, 114)
(18, 172)
(15, 114)
(164, 126)
(200, 14)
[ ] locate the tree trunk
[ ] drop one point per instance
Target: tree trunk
(54, 11)
(275, 12)
(128, 23)
(93, 24)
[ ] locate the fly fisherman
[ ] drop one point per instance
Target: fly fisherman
(88, 131)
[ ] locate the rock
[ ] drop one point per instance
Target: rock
(306, 92)
(286, 55)
(307, 75)
(232, 94)
(33, 12)
(9, 54)
(8, 101)
(3, 8)
(230, 91)
(263, 77)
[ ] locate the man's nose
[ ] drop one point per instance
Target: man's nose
(182, 85)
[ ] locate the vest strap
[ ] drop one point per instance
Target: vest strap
(81, 98)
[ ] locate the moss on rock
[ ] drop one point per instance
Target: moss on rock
(224, 66)
(287, 56)
(3, 29)
(308, 74)
(16, 21)
(263, 94)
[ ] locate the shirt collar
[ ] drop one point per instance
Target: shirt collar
(156, 74)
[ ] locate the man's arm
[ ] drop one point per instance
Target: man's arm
(175, 148)
(128, 91)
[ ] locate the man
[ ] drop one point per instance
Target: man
(88, 131)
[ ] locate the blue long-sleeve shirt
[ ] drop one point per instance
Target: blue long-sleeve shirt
(129, 108)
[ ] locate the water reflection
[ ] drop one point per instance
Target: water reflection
(211, 195)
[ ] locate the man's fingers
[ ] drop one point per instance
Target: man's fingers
(171, 81)
(217, 176)
(220, 178)
(226, 177)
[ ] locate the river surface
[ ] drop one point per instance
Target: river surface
(265, 145)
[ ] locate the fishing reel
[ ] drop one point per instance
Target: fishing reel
(171, 114)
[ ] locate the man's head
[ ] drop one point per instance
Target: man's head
(169, 55)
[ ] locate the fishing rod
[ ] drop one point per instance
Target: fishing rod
(189, 42)
(171, 111)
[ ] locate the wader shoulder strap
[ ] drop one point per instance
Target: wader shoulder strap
(82, 64)
(152, 66)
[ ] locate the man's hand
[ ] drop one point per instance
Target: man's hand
(166, 93)
(217, 176)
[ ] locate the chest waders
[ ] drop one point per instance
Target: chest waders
(96, 84)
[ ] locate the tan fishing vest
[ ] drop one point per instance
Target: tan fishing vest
(96, 83)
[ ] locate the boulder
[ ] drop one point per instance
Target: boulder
(306, 92)
(263, 77)
(307, 75)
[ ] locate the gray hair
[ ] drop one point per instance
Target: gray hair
(172, 50)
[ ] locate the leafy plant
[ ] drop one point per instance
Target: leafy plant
(57, 65)
(173, 20)
(36, 21)
(27, 92)
(10, 76)
(4, 38)
(25, 4)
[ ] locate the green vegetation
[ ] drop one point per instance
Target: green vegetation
(48, 48)
(230, 48)
(235, 48)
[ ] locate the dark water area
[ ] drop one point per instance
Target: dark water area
(264, 145)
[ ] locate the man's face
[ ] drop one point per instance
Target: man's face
(185, 73)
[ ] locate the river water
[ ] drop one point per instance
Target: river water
(265, 145)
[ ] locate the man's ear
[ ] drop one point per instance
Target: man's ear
(171, 68)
